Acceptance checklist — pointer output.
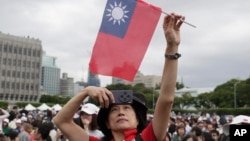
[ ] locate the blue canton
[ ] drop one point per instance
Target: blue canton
(117, 16)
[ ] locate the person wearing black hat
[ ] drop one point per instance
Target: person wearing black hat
(122, 116)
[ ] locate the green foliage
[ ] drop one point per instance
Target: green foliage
(23, 104)
(4, 104)
(179, 85)
(54, 99)
(119, 87)
(183, 102)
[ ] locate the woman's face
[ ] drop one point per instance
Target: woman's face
(37, 136)
(86, 118)
(122, 117)
(181, 131)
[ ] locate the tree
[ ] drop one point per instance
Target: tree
(179, 85)
(119, 87)
(203, 101)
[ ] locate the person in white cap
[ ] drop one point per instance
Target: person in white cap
(6, 128)
(3, 114)
(88, 119)
(238, 120)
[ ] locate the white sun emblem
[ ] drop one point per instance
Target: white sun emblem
(117, 13)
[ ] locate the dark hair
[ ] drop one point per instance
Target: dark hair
(186, 137)
(44, 130)
(13, 134)
(215, 131)
(207, 136)
(197, 131)
(172, 129)
(93, 124)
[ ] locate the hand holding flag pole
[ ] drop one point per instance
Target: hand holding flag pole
(181, 20)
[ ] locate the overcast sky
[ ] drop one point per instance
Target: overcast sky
(213, 53)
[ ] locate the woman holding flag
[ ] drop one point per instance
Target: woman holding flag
(126, 121)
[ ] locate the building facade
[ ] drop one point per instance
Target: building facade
(67, 85)
(50, 81)
(20, 68)
(193, 91)
(150, 81)
(93, 80)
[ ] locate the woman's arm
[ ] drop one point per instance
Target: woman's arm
(165, 100)
(5, 114)
(64, 119)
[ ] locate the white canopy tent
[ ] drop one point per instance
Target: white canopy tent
(30, 107)
(57, 107)
(43, 107)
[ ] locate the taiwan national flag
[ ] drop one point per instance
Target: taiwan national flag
(126, 30)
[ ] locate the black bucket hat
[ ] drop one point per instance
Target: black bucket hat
(140, 111)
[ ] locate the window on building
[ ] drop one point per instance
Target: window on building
(3, 84)
(1, 44)
(16, 97)
(10, 49)
(28, 64)
(13, 85)
(5, 48)
(12, 96)
(31, 87)
(35, 98)
(17, 86)
(26, 97)
(1, 95)
(38, 53)
(3, 72)
(23, 85)
(20, 51)
(9, 62)
(29, 52)
(15, 49)
(7, 85)
(24, 51)
(18, 74)
(8, 73)
(37, 75)
(31, 97)
(23, 74)
(37, 65)
(33, 75)
(19, 63)
(13, 73)
(37, 87)
(34, 53)
(33, 64)
(4, 61)
(14, 62)
(6, 96)
(24, 63)
(28, 75)
(21, 97)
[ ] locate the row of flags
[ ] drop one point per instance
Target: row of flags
(124, 36)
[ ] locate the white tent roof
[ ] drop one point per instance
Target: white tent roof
(30, 107)
(43, 107)
(57, 107)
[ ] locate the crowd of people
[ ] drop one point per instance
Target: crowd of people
(22, 125)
